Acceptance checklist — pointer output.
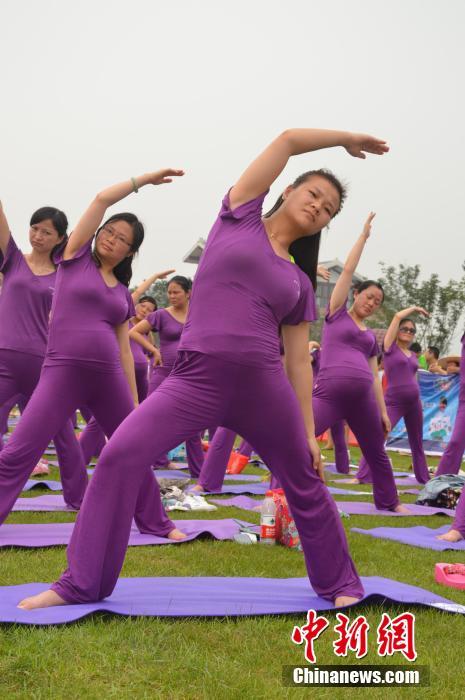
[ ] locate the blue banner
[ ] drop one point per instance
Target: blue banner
(440, 399)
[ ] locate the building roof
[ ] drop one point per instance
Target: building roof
(336, 265)
(195, 253)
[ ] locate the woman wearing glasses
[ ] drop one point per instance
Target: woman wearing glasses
(403, 395)
(88, 361)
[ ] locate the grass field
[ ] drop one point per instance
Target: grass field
(106, 657)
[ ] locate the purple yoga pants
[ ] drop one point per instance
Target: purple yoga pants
(258, 403)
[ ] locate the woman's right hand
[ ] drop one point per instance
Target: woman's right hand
(156, 357)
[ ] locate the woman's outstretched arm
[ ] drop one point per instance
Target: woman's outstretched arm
(92, 217)
(344, 283)
(265, 169)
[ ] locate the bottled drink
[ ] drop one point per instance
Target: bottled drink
(268, 520)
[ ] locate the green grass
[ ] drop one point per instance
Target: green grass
(106, 657)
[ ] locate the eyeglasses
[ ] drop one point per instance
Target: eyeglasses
(111, 233)
(406, 329)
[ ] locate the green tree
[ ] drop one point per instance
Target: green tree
(158, 290)
(444, 301)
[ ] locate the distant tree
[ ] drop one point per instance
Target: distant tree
(159, 292)
(444, 301)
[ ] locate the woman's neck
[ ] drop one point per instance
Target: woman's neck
(40, 259)
(281, 230)
(359, 320)
(179, 310)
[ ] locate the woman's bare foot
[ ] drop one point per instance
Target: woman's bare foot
(400, 508)
(354, 481)
(451, 536)
(197, 488)
(176, 535)
(343, 600)
(47, 599)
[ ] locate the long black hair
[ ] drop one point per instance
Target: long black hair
(305, 250)
(123, 271)
(60, 223)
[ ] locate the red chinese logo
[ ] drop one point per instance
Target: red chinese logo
(309, 632)
(396, 635)
(353, 637)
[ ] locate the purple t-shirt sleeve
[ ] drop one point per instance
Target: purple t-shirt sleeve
(12, 252)
(342, 311)
(392, 348)
(154, 320)
(131, 307)
(84, 252)
(250, 209)
(305, 309)
(375, 349)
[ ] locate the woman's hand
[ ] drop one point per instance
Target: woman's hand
(386, 424)
(366, 232)
(160, 177)
(405, 313)
(163, 275)
(359, 144)
(316, 457)
(323, 272)
(156, 357)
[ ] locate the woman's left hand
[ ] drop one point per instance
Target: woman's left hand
(359, 144)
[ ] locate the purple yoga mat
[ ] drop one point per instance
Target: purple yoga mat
(406, 481)
(361, 508)
(212, 597)
(41, 504)
(54, 534)
(349, 507)
(244, 502)
(43, 484)
(331, 467)
(257, 489)
(419, 536)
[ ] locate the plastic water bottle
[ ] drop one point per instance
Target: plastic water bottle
(268, 520)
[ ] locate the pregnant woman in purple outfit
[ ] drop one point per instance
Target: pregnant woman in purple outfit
(348, 385)
(169, 324)
(88, 360)
(403, 394)
(228, 372)
(25, 302)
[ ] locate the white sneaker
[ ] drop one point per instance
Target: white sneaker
(195, 502)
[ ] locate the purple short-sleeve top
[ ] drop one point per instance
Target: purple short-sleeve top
(85, 311)
(243, 292)
(25, 303)
(346, 347)
(169, 331)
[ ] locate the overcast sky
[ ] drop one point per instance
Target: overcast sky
(94, 92)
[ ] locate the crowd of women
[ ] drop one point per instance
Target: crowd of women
(233, 357)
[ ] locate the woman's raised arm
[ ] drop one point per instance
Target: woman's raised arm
(92, 217)
(265, 169)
